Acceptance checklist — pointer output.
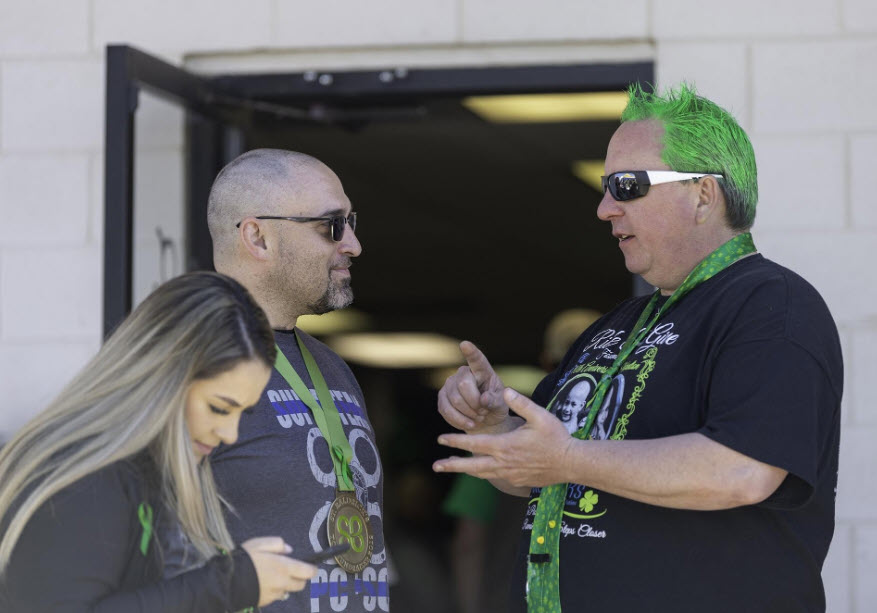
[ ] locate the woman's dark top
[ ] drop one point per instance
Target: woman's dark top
(83, 550)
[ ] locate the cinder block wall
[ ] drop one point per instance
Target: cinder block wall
(801, 75)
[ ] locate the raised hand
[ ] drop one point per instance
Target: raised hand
(534, 455)
(278, 573)
(471, 399)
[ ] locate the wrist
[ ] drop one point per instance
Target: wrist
(569, 460)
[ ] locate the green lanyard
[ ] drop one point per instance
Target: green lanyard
(325, 412)
(543, 565)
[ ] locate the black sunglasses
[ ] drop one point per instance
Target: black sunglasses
(629, 184)
(336, 222)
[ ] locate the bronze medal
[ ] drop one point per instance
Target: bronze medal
(348, 523)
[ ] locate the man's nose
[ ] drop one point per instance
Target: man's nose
(608, 207)
(349, 243)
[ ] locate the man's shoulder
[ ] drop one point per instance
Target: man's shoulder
(772, 300)
(763, 281)
(759, 269)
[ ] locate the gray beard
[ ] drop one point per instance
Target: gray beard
(336, 297)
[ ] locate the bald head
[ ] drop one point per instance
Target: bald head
(255, 183)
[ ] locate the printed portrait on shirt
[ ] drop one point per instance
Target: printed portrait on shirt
(570, 405)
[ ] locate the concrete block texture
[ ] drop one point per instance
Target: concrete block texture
(192, 25)
(859, 15)
(865, 590)
(857, 477)
(863, 161)
(43, 27)
(837, 263)
(801, 88)
(44, 199)
(520, 20)
(718, 70)
(32, 388)
(859, 371)
(344, 23)
(779, 18)
(836, 575)
(783, 202)
(50, 294)
(51, 105)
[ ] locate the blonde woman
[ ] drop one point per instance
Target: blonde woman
(107, 502)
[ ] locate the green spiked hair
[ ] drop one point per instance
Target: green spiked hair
(700, 136)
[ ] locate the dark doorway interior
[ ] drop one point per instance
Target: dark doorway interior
(475, 230)
(471, 229)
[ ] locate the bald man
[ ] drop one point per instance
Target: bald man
(305, 465)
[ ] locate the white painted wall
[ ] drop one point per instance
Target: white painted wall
(801, 75)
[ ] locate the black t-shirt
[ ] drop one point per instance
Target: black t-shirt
(750, 359)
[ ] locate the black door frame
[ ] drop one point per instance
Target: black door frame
(129, 70)
(219, 110)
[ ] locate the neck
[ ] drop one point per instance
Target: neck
(277, 308)
(282, 314)
(286, 322)
(706, 248)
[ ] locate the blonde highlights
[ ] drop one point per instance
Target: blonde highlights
(130, 398)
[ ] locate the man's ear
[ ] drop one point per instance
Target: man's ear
(711, 199)
(253, 238)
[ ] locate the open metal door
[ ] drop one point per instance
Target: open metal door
(129, 74)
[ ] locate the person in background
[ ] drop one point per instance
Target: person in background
(107, 502)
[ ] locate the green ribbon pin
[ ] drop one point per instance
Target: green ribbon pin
(144, 514)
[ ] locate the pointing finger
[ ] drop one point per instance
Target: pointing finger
(478, 363)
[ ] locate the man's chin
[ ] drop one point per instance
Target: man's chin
(333, 301)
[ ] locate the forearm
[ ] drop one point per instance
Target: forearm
(225, 582)
(687, 471)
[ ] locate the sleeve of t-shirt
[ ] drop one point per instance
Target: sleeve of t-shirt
(73, 552)
(769, 399)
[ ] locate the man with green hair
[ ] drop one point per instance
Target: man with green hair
(715, 489)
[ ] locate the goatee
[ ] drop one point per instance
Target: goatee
(336, 297)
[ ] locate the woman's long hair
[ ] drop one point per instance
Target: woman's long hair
(131, 398)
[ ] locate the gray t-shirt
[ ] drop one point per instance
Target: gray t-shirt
(279, 479)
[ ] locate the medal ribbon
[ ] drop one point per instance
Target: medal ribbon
(543, 562)
(325, 412)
